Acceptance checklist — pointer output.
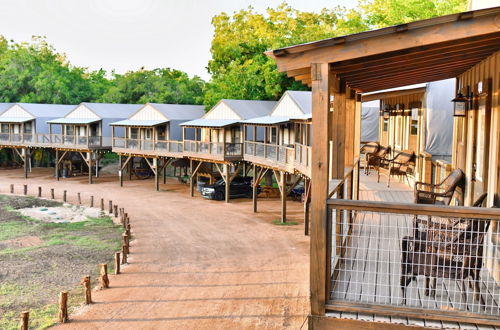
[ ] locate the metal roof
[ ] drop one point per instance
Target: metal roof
(112, 110)
(142, 123)
(46, 110)
(303, 99)
(305, 116)
(5, 106)
(82, 121)
(247, 109)
(180, 111)
(218, 123)
(267, 120)
(15, 119)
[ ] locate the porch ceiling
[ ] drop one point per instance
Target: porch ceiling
(417, 52)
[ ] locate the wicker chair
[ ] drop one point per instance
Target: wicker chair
(426, 193)
(375, 159)
(451, 250)
(369, 150)
(400, 165)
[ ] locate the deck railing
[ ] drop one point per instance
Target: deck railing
(303, 157)
(414, 264)
(272, 153)
(214, 148)
(147, 145)
(51, 140)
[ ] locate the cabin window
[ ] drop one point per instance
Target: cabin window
(82, 131)
(235, 134)
(161, 132)
(386, 125)
(148, 133)
(414, 121)
(28, 128)
(399, 131)
(298, 130)
(4, 128)
(273, 134)
(134, 133)
(70, 130)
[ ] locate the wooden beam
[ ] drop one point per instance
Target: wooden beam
(385, 95)
(321, 86)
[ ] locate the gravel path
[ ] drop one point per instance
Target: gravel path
(195, 264)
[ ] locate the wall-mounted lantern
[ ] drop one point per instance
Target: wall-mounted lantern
(460, 105)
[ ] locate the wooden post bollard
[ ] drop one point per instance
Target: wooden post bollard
(124, 254)
(87, 290)
(91, 201)
(25, 320)
(79, 199)
(110, 207)
(104, 280)
(117, 263)
(126, 240)
(11, 188)
(25, 189)
(52, 195)
(63, 307)
(102, 204)
(64, 196)
(116, 211)
(39, 192)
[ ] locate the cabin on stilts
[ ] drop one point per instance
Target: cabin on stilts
(153, 134)
(385, 258)
(86, 131)
(23, 128)
(217, 138)
(269, 144)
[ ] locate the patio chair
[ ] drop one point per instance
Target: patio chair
(369, 150)
(449, 249)
(399, 165)
(376, 158)
(442, 193)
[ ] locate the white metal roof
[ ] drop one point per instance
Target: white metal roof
(267, 120)
(143, 123)
(217, 123)
(180, 111)
(82, 121)
(14, 119)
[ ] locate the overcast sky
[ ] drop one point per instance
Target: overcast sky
(129, 34)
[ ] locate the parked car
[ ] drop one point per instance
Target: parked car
(240, 187)
(298, 191)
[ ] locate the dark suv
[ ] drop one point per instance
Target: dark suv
(240, 187)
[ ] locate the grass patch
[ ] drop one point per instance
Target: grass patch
(288, 223)
(13, 229)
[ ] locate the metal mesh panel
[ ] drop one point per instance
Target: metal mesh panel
(429, 262)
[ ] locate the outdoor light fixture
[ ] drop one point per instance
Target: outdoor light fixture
(460, 105)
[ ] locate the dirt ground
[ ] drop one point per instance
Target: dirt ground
(195, 264)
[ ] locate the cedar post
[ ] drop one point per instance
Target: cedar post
(191, 178)
(57, 165)
(228, 184)
(25, 320)
(322, 83)
(126, 240)
(64, 196)
(164, 174)
(102, 204)
(91, 201)
(89, 159)
(39, 192)
(25, 189)
(87, 290)
(11, 188)
(127, 230)
(63, 307)
(79, 199)
(116, 210)
(104, 280)
(52, 194)
(283, 176)
(26, 156)
(157, 175)
(124, 254)
(255, 184)
(110, 207)
(120, 170)
(117, 263)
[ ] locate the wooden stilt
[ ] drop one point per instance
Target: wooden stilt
(26, 157)
(191, 178)
(89, 164)
(57, 165)
(39, 192)
(228, 183)
(157, 174)
(254, 188)
(283, 177)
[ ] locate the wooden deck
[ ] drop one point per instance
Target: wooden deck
(370, 271)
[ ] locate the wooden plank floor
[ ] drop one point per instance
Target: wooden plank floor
(370, 270)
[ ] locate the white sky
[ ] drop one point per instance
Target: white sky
(128, 34)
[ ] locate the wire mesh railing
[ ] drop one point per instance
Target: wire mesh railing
(443, 261)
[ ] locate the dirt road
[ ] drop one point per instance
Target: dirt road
(195, 264)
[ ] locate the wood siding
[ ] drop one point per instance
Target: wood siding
(148, 112)
(82, 112)
(286, 108)
(16, 111)
(221, 111)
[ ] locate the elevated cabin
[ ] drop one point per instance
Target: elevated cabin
(152, 132)
(218, 135)
(86, 130)
(155, 130)
(270, 140)
(303, 143)
(373, 266)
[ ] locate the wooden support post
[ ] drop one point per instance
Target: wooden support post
(157, 175)
(39, 192)
(322, 83)
(87, 289)
(116, 210)
(191, 178)
(127, 229)
(283, 176)
(25, 320)
(165, 174)
(79, 199)
(97, 158)
(103, 279)
(64, 196)
(57, 165)
(11, 188)
(228, 183)
(89, 165)
(25, 189)
(91, 201)
(124, 254)
(26, 156)
(117, 263)
(110, 207)
(255, 184)
(63, 307)
(130, 168)
(52, 194)
(102, 204)
(306, 218)
(120, 170)
(126, 240)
